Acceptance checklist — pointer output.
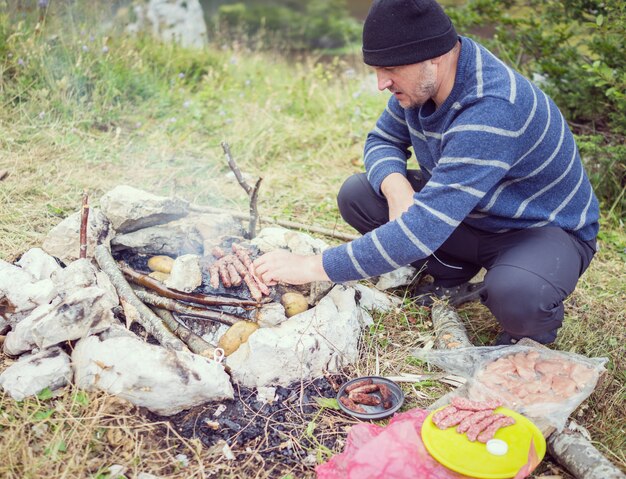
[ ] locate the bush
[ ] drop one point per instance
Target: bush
(307, 25)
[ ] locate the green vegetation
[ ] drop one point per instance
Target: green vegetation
(84, 106)
(575, 50)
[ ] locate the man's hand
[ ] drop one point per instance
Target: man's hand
(285, 267)
(399, 194)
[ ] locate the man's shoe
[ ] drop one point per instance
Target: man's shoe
(424, 295)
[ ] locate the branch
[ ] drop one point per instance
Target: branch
(196, 344)
(144, 316)
(254, 213)
(235, 169)
(84, 221)
(285, 224)
(450, 332)
(171, 305)
(154, 285)
(251, 192)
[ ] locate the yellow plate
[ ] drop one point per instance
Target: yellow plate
(459, 454)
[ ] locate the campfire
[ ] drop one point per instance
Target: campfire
(156, 301)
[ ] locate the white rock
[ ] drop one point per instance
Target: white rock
(321, 339)
(38, 263)
(318, 290)
(77, 275)
(185, 275)
(164, 381)
(271, 315)
(63, 241)
(373, 299)
(396, 278)
(130, 209)
(21, 289)
(179, 21)
(33, 373)
(117, 471)
(83, 312)
(266, 395)
(275, 237)
(215, 333)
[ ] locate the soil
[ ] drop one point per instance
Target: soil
(274, 430)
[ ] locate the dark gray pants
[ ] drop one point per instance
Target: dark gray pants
(529, 271)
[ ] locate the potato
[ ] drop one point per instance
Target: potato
(159, 276)
(294, 303)
(161, 263)
(236, 335)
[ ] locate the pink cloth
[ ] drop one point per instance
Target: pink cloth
(392, 452)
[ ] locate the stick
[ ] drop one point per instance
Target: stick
(254, 213)
(153, 284)
(3, 174)
(251, 192)
(450, 332)
(286, 224)
(570, 449)
(151, 322)
(196, 344)
(171, 305)
(84, 221)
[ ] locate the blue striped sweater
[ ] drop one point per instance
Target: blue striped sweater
(497, 154)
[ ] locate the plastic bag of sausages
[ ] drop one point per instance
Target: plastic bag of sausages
(395, 450)
(529, 378)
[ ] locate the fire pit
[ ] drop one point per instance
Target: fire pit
(211, 293)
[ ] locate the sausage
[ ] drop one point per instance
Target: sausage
(386, 396)
(252, 286)
(358, 384)
(350, 404)
(476, 429)
(467, 405)
(214, 273)
(244, 257)
(454, 419)
(443, 413)
(491, 430)
(235, 279)
(367, 388)
(225, 277)
(217, 252)
(475, 418)
(367, 399)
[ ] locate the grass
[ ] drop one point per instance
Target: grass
(153, 116)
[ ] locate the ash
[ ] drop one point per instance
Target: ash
(276, 431)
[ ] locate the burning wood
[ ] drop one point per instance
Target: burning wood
(195, 343)
(171, 305)
(151, 322)
(154, 285)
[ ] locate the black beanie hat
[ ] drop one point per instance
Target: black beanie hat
(401, 32)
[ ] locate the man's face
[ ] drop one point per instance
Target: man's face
(413, 85)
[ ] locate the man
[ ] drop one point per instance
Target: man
(500, 182)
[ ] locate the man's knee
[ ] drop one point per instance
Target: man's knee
(349, 194)
(524, 303)
(359, 204)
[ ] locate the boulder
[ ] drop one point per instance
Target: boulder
(130, 209)
(33, 373)
(63, 241)
(21, 290)
(161, 380)
(38, 263)
(172, 239)
(179, 21)
(321, 339)
(80, 313)
(396, 278)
